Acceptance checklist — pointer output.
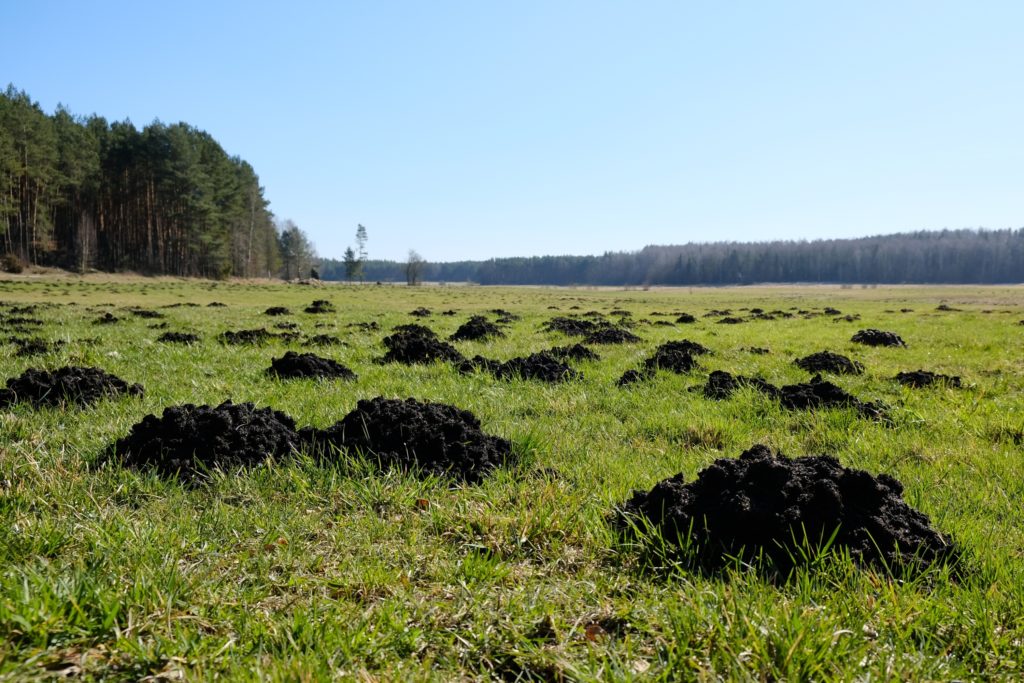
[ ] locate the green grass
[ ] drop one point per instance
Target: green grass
(300, 571)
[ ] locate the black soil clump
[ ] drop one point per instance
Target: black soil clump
(178, 338)
(819, 393)
(778, 513)
(306, 365)
(426, 438)
(277, 310)
(721, 385)
(69, 385)
(611, 334)
(873, 337)
(919, 379)
(675, 356)
(35, 347)
(540, 366)
(686, 318)
(631, 377)
(371, 326)
(188, 439)
(477, 328)
(324, 340)
(420, 312)
(107, 318)
(826, 361)
(573, 353)
(237, 337)
(320, 306)
(731, 320)
(574, 327)
(216, 304)
(412, 344)
(145, 313)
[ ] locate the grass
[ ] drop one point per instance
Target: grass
(297, 571)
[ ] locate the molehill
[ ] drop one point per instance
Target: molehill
(873, 337)
(68, 385)
(306, 365)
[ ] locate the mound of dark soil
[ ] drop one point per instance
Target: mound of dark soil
(826, 361)
(821, 394)
(145, 313)
(107, 318)
(540, 366)
(320, 306)
(610, 334)
(158, 326)
(277, 310)
(505, 316)
(675, 356)
(632, 377)
(371, 326)
(449, 312)
(23, 321)
(305, 365)
(477, 328)
(420, 312)
(412, 344)
(286, 326)
(324, 340)
(923, 378)
(574, 352)
(35, 347)
(178, 338)
(873, 337)
(574, 327)
(730, 320)
(757, 350)
(188, 439)
(216, 304)
(721, 385)
(686, 318)
(428, 438)
(257, 336)
(847, 318)
(71, 384)
(778, 513)
(832, 311)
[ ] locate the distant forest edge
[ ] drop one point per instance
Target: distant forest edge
(933, 257)
(83, 193)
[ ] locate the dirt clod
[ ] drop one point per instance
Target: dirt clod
(305, 365)
(188, 439)
(236, 337)
(320, 306)
(819, 393)
(611, 334)
(778, 513)
(675, 356)
(826, 361)
(540, 366)
(574, 352)
(420, 312)
(722, 385)
(686, 318)
(178, 338)
(277, 310)
(428, 438)
(68, 385)
(411, 344)
(923, 378)
(477, 328)
(574, 327)
(107, 318)
(873, 337)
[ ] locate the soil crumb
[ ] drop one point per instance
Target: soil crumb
(412, 344)
(68, 385)
(778, 513)
(873, 337)
(923, 378)
(188, 439)
(826, 361)
(477, 328)
(178, 338)
(426, 438)
(306, 365)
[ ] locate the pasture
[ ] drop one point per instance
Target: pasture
(309, 568)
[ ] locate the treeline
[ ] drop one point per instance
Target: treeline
(938, 257)
(84, 193)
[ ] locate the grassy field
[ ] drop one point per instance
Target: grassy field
(307, 572)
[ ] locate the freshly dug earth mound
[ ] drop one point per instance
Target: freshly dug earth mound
(428, 438)
(730, 320)
(632, 377)
(257, 336)
(178, 338)
(574, 327)
(722, 385)
(107, 318)
(923, 378)
(675, 356)
(574, 352)
(324, 340)
(35, 347)
(71, 384)
(216, 304)
(826, 361)
(277, 310)
(477, 328)
(371, 326)
(188, 439)
(320, 306)
(821, 394)
(873, 337)
(686, 318)
(420, 312)
(144, 313)
(412, 344)
(610, 334)
(286, 326)
(304, 365)
(539, 366)
(769, 510)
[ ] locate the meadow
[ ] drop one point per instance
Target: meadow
(301, 570)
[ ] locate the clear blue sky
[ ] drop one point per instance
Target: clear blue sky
(476, 129)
